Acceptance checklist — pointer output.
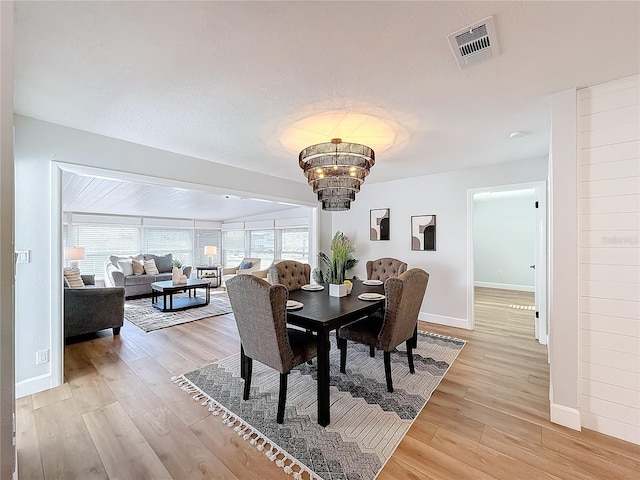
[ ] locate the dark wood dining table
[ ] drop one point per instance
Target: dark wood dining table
(323, 313)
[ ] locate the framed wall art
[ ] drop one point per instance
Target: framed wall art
(423, 232)
(379, 224)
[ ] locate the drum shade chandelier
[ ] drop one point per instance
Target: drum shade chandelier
(336, 170)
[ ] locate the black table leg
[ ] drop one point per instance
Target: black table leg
(324, 415)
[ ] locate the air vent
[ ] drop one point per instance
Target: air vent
(475, 44)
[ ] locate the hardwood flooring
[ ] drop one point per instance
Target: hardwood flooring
(118, 416)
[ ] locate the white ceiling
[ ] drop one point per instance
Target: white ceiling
(223, 81)
(87, 194)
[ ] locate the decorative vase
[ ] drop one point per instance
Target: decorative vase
(338, 290)
(175, 274)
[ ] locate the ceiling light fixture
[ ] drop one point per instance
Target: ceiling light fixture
(336, 170)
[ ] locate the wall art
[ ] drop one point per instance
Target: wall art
(379, 224)
(423, 232)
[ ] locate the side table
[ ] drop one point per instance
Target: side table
(212, 273)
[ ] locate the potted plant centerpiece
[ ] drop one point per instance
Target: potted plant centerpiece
(176, 272)
(341, 260)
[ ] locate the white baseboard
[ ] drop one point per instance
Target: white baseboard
(442, 320)
(34, 385)
(566, 416)
(505, 286)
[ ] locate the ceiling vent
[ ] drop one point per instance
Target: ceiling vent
(475, 44)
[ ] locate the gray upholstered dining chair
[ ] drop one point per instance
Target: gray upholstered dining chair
(384, 268)
(260, 312)
(289, 273)
(404, 298)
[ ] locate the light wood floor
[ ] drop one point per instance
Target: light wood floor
(118, 416)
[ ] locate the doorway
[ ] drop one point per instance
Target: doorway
(507, 248)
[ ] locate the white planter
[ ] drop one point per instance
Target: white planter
(338, 290)
(175, 275)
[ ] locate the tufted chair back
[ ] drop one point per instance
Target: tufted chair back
(384, 268)
(290, 273)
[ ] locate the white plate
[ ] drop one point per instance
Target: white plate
(372, 282)
(371, 296)
(312, 287)
(293, 305)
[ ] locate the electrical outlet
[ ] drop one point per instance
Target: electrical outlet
(42, 357)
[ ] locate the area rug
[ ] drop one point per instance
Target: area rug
(367, 422)
(143, 315)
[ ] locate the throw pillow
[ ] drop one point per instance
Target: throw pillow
(150, 267)
(72, 275)
(126, 267)
(138, 267)
(115, 259)
(164, 263)
(245, 265)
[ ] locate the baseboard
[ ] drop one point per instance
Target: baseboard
(442, 320)
(566, 416)
(505, 286)
(34, 385)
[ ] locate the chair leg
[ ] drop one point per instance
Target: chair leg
(414, 340)
(342, 345)
(410, 355)
(282, 397)
(116, 331)
(387, 371)
(243, 359)
(247, 380)
(372, 351)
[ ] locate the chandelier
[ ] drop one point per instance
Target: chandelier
(336, 170)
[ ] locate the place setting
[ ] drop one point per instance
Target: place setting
(294, 305)
(372, 283)
(312, 287)
(371, 297)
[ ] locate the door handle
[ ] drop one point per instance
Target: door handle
(532, 266)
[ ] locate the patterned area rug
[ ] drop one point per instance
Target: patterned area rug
(367, 422)
(143, 315)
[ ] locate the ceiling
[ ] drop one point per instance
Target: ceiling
(227, 81)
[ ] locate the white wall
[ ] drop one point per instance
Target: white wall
(504, 239)
(609, 208)
(444, 195)
(38, 220)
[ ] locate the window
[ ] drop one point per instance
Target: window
(179, 242)
(295, 244)
(262, 246)
(101, 241)
(233, 247)
(204, 238)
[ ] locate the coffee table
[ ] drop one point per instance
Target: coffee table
(168, 288)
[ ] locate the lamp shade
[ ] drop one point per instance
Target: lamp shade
(74, 253)
(210, 250)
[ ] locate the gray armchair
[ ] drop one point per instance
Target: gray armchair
(90, 309)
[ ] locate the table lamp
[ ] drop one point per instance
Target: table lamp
(210, 251)
(74, 255)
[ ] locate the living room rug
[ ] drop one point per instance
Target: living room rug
(143, 315)
(367, 422)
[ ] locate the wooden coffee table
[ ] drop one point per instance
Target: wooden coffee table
(168, 288)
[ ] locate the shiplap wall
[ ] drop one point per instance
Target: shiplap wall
(609, 178)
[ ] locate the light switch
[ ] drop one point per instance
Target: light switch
(23, 256)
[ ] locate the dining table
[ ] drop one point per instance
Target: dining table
(322, 313)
